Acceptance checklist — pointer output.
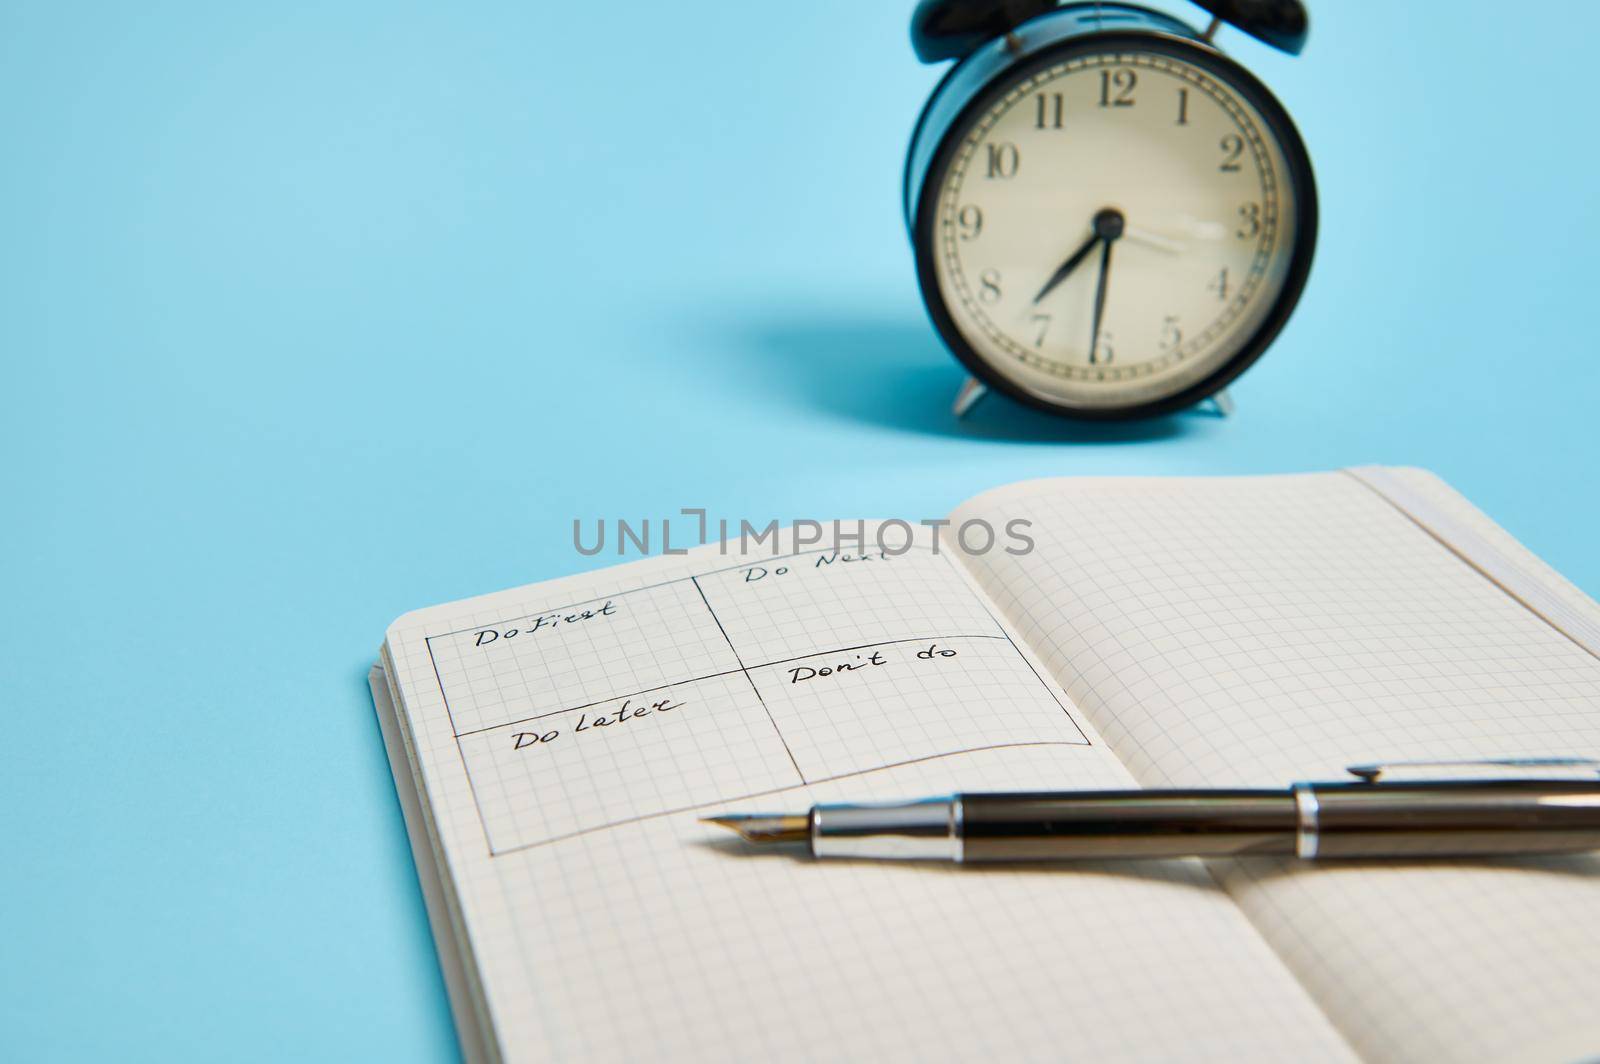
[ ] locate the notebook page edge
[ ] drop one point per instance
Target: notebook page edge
(468, 1009)
(1482, 543)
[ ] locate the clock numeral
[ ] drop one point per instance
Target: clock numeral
(1249, 222)
(1232, 148)
(1183, 107)
(970, 221)
(1171, 334)
(1050, 112)
(1100, 352)
(989, 286)
(1116, 88)
(1042, 321)
(1220, 286)
(1004, 160)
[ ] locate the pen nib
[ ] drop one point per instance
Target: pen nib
(765, 827)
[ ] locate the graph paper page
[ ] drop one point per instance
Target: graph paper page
(564, 737)
(1257, 631)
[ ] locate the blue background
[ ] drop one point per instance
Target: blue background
(312, 314)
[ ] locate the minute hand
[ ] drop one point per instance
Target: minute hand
(1100, 301)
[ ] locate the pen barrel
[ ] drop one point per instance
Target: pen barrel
(1457, 818)
(1126, 824)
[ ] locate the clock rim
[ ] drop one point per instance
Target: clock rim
(1241, 80)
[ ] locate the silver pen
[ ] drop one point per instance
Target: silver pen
(1373, 816)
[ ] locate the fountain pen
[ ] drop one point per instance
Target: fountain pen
(1368, 818)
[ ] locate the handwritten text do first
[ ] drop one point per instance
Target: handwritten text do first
(544, 622)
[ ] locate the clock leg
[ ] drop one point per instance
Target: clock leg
(1222, 403)
(967, 398)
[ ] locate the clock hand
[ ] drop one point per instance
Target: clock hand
(1153, 240)
(1066, 268)
(1107, 224)
(1100, 298)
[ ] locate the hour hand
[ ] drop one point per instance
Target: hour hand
(1066, 268)
(1108, 225)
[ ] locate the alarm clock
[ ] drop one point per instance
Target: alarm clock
(1110, 217)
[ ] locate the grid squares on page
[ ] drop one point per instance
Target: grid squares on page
(672, 748)
(826, 600)
(939, 676)
(1253, 632)
(848, 712)
(1243, 631)
(649, 940)
(1518, 937)
(576, 653)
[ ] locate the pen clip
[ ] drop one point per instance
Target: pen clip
(1539, 766)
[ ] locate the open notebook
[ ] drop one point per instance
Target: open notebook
(553, 744)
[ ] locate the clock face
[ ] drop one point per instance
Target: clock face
(1113, 229)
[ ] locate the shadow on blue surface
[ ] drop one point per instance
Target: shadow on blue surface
(895, 374)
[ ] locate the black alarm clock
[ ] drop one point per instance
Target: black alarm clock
(1111, 218)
